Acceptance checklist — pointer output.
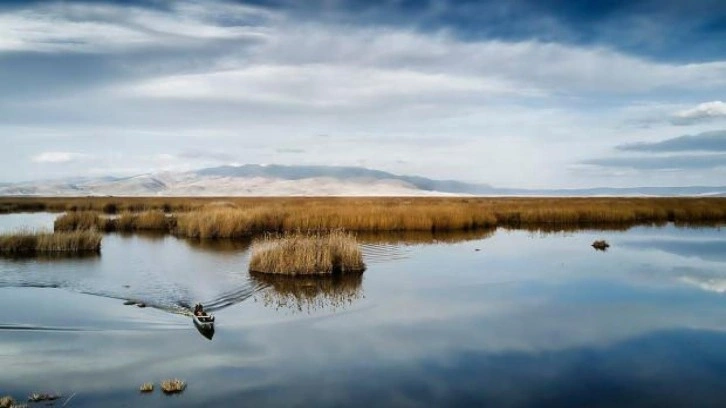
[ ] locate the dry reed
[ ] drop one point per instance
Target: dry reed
(231, 217)
(146, 387)
(33, 242)
(173, 386)
(307, 254)
(82, 220)
(7, 402)
(144, 221)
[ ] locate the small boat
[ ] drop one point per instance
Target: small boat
(205, 325)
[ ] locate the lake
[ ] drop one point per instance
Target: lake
(493, 318)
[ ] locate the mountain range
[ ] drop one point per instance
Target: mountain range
(278, 180)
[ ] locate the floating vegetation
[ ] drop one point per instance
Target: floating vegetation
(600, 245)
(146, 387)
(307, 254)
(173, 386)
(39, 397)
(27, 242)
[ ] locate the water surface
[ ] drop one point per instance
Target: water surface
(505, 318)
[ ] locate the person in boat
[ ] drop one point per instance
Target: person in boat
(199, 310)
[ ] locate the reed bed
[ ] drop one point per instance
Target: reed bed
(307, 254)
(233, 217)
(146, 387)
(34, 242)
(82, 220)
(153, 220)
(173, 386)
(7, 402)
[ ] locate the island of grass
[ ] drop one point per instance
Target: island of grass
(26, 242)
(307, 254)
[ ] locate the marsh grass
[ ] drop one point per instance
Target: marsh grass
(82, 220)
(146, 387)
(27, 242)
(307, 254)
(7, 402)
(173, 386)
(234, 217)
(153, 220)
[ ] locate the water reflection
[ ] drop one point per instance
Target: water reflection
(423, 237)
(713, 250)
(219, 245)
(309, 293)
(51, 257)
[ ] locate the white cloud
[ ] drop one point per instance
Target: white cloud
(246, 82)
(61, 27)
(57, 157)
(701, 112)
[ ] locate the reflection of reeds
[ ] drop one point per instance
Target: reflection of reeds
(307, 254)
(33, 242)
(423, 237)
(231, 246)
(310, 292)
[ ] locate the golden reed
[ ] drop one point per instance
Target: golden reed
(307, 254)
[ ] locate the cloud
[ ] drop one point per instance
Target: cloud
(207, 155)
(104, 28)
(291, 150)
(243, 80)
(700, 113)
(683, 162)
(714, 141)
(57, 157)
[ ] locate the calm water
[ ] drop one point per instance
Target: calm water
(510, 318)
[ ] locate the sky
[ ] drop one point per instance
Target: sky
(512, 93)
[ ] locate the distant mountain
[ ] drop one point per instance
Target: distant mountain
(340, 173)
(277, 180)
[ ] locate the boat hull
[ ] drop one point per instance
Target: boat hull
(205, 325)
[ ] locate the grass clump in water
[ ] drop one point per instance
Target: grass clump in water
(82, 220)
(601, 245)
(33, 242)
(173, 386)
(7, 402)
(146, 387)
(144, 221)
(307, 254)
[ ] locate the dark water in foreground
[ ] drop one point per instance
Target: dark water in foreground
(527, 320)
